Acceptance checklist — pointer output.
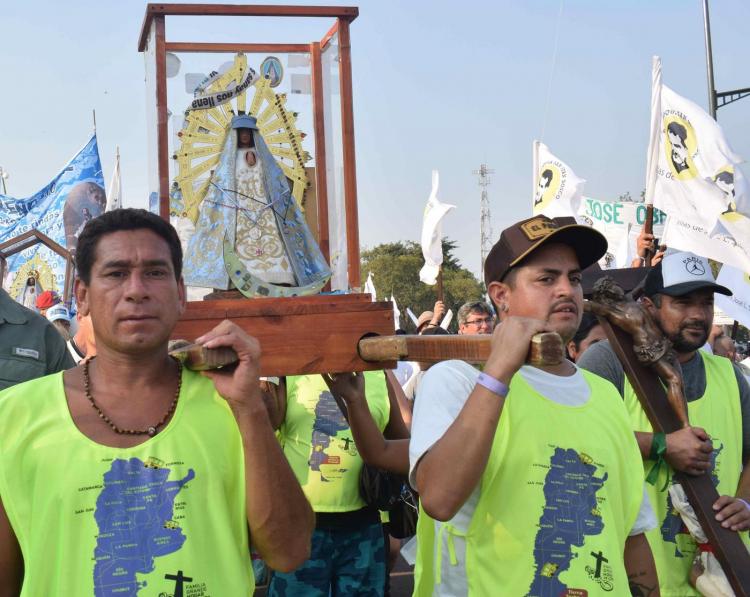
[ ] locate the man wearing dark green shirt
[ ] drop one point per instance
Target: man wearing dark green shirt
(30, 346)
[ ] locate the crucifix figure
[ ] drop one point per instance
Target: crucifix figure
(650, 345)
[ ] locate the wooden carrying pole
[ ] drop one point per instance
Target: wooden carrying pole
(426, 349)
(727, 545)
(648, 228)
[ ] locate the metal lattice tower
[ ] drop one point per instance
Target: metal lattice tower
(485, 225)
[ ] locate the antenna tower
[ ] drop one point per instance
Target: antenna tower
(485, 226)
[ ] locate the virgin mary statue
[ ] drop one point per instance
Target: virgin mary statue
(249, 209)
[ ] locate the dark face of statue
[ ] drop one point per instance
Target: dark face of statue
(244, 138)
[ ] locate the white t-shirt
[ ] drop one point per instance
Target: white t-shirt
(442, 393)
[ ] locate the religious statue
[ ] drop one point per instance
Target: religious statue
(31, 291)
(650, 345)
(250, 230)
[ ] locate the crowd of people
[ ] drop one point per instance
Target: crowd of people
(126, 470)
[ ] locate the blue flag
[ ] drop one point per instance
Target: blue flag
(60, 210)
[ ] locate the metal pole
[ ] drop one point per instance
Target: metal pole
(709, 62)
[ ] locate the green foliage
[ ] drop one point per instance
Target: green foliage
(395, 269)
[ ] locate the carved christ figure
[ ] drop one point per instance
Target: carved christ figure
(650, 345)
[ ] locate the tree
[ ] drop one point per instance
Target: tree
(395, 270)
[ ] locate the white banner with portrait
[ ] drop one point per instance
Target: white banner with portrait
(692, 175)
(557, 189)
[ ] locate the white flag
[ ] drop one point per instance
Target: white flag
(432, 233)
(736, 306)
(726, 248)
(413, 317)
(114, 195)
(447, 319)
(370, 287)
(396, 313)
(557, 190)
(689, 158)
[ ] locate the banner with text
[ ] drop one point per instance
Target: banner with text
(620, 222)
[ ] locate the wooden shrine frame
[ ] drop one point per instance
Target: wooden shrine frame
(28, 239)
(156, 16)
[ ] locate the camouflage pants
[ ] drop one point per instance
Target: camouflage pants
(342, 562)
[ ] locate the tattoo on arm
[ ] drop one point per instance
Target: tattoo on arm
(639, 588)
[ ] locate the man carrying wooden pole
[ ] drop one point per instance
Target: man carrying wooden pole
(533, 471)
(679, 295)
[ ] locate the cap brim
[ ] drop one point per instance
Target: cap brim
(589, 244)
(688, 287)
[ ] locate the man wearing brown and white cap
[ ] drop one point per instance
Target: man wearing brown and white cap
(679, 294)
(533, 471)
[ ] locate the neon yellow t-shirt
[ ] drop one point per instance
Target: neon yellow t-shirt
(95, 520)
(319, 445)
(718, 412)
(559, 496)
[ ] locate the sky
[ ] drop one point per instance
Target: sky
(434, 88)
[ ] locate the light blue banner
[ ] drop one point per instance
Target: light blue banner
(60, 210)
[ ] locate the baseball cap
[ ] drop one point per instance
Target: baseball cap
(679, 273)
(424, 318)
(58, 312)
(520, 240)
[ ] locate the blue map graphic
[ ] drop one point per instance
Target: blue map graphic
(328, 422)
(672, 524)
(134, 516)
(570, 514)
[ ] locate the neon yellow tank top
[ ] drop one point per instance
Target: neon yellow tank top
(93, 520)
(718, 412)
(319, 445)
(560, 493)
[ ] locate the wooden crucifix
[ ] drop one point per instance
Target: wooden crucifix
(645, 360)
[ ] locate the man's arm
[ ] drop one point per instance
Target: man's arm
(640, 567)
(390, 455)
(278, 514)
(399, 404)
(274, 397)
(450, 470)
(744, 389)
(11, 560)
(734, 512)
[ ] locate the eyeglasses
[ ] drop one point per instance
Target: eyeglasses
(479, 322)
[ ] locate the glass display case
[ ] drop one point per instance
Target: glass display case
(299, 92)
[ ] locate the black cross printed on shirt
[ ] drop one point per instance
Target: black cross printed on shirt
(599, 559)
(179, 579)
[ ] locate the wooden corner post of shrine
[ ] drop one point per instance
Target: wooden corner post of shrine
(294, 90)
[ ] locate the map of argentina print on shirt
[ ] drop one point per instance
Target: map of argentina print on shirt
(134, 514)
(570, 514)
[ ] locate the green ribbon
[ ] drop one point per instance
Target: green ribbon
(658, 449)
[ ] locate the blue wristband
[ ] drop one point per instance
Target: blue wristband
(493, 385)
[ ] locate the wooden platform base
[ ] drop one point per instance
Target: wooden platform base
(299, 335)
